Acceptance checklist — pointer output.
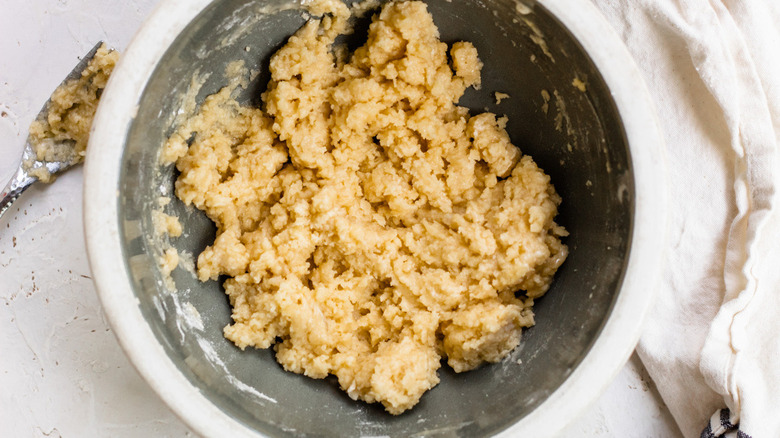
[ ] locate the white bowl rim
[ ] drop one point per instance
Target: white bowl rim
(588, 380)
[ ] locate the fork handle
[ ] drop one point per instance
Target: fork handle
(14, 189)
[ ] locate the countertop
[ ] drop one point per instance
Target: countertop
(62, 372)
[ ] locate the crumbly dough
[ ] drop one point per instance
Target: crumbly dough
(165, 224)
(579, 84)
(169, 260)
(370, 227)
(63, 134)
(500, 97)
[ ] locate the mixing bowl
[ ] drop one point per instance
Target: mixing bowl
(576, 104)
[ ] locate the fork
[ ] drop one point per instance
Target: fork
(23, 178)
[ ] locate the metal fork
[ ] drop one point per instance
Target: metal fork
(22, 179)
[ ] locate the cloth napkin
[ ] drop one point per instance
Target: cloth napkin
(712, 341)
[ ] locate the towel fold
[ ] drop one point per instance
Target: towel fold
(713, 339)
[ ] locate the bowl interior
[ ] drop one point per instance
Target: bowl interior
(575, 135)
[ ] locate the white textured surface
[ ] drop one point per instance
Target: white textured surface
(62, 372)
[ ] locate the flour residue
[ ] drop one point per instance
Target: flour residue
(562, 117)
(538, 38)
(215, 361)
(546, 98)
(522, 8)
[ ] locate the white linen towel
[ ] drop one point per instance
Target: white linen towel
(712, 341)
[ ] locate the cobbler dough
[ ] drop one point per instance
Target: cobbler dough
(165, 224)
(370, 226)
(63, 134)
(169, 261)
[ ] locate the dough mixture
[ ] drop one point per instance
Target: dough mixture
(369, 225)
(63, 134)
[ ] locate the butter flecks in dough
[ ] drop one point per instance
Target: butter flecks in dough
(365, 219)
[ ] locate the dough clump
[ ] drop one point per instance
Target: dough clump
(63, 133)
(369, 226)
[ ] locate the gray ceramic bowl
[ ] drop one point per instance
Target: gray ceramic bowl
(600, 145)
